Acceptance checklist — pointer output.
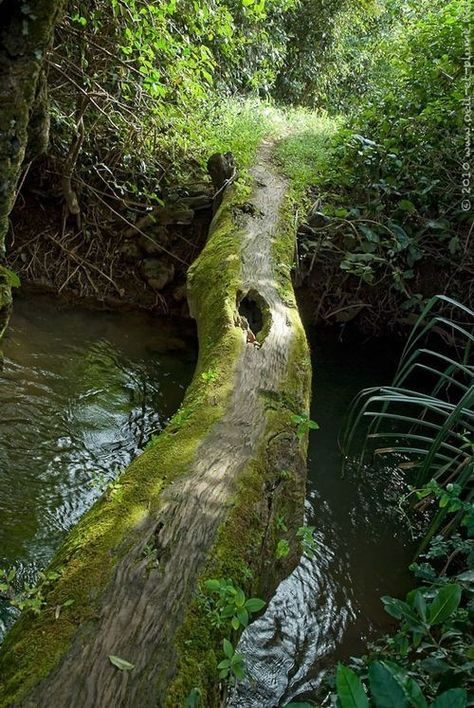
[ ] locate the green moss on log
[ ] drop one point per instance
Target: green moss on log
(87, 558)
(272, 485)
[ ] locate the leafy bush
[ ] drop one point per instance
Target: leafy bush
(430, 659)
(389, 204)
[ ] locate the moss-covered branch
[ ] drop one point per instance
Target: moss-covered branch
(202, 502)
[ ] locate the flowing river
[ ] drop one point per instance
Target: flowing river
(81, 393)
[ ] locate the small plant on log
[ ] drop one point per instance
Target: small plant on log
(30, 597)
(229, 604)
(306, 538)
(232, 668)
(303, 424)
(282, 549)
(209, 375)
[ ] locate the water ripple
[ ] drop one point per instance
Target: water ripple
(80, 394)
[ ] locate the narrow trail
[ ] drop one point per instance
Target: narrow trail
(144, 607)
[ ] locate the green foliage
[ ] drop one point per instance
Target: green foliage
(9, 277)
(304, 153)
(232, 667)
(321, 59)
(156, 77)
(305, 535)
(209, 375)
(429, 660)
(227, 604)
(282, 548)
(350, 691)
(193, 700)
(303, 424)
(29, 597)
(389, 204)
(424, 421)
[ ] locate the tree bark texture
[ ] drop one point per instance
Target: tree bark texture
(202, 502)
(26, 30)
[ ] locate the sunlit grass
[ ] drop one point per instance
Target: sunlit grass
(238, 125)
(303, 154)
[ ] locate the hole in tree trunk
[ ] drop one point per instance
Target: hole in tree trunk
(254, 314)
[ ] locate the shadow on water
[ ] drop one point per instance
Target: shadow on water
(330, 605)
(81, 393)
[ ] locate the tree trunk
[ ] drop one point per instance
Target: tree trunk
(200, 503)
(25, 35)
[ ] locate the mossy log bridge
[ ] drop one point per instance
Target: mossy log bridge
(204, 498)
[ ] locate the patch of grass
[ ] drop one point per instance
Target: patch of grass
(304, 153)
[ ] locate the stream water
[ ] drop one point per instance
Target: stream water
(80, 394)
(330, 606)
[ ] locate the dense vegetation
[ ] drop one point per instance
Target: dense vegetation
(141, 95)
(425, 421)
(364, 101)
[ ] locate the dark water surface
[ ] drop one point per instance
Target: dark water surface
(81, 393)
(328, 608)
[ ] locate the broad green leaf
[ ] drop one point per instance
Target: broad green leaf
(194, 699)
(228, 648)
(350, 691)
(415, 694)
(254, 604)
(121, 664)
(419, 603)
(406, 205)
(235, 622)
(213, 585)
(445, 603)
(385, 688)
(454, 698)
(238, 668)
(240, 598)
(434, 666)
(393, 607)
(369, 234)
(402, 610)
(243, 617)
(467, 577)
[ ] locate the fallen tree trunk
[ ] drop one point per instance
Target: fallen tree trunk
(202, 502)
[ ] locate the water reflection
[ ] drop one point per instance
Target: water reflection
(80, 394)
(330, 605)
